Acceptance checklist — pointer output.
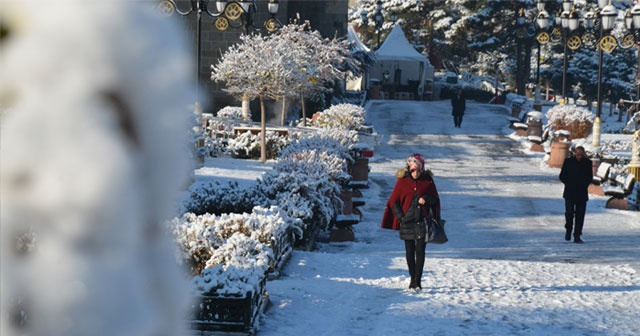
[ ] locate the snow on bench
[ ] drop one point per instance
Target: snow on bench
(256, 130)
(623, 187)
(602, 173)
(536, 139)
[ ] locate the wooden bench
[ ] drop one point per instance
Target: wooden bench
(521, 128)
(513, 120)
(256, 130)
(602, 173)
(619, 192)
(601, 176)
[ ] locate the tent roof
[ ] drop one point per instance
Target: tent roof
(397, 47)
(353, 37)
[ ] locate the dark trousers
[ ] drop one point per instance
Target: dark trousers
(574, 209)
(457, 120)
(415, 253)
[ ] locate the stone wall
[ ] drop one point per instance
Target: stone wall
(328, 17)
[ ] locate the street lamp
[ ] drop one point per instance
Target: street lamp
(632, 21)
(542, 21)
(378, 19)
(226, 13)
(570, 22)
(608, 15)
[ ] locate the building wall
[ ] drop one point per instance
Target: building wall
(328, 17)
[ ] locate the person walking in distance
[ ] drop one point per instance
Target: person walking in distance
(413, 199)
(576, 175)
(458, 106)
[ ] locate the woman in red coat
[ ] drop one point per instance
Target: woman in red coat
(413, 196)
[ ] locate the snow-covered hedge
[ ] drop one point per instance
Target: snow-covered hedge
(215, 198)
(307, 185)
(247, 145)
(229, 254)
(575, 119)
(230, 112)
(341, 116)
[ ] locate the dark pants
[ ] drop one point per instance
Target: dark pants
(415, 252)
(574, 209)
(457, 120)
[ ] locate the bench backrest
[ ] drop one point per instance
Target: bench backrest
(603, 170)
(628, 183)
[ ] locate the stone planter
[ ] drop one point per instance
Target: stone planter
(515, 111)
(229, 314)
(342, 234)
(559, 152)
(359, 171)
(347, 201)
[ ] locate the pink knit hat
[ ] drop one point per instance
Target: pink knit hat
(417, 159)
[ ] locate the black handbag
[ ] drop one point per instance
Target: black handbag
(435, 230)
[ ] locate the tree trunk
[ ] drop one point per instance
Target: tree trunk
(523, 65)
(304, 111)
(284, 109)
(263, 132)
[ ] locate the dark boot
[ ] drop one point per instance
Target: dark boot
(567, 234)
(412, 273)
(577, 240)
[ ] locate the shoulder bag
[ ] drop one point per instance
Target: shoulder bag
(435, 230)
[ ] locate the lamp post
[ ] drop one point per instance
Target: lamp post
(542, 21)
(608, 15)
(632, 22)
(226, 13)
(569, 22)
(378, 19)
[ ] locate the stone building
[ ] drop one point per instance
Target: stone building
(329, 17)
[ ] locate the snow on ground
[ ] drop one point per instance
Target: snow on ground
(506, 269)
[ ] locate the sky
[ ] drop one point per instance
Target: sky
(506, 269)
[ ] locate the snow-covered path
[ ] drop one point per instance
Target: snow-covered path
(506, 269)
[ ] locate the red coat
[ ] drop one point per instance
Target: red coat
(403, 193)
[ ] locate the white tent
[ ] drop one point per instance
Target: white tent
(400, 65)
(355, 83)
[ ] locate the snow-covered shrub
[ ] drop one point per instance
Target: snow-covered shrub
(341, 116)
(214, 198)
(345, 139)
(303, 185)
(230, 112)
(575, 119)
(247, 145)
(326, 151)
(230, 253)
(95, 149)
(235, 268)
(217, 133)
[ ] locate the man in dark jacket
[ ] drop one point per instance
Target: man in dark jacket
(576, 174)
(458, 106)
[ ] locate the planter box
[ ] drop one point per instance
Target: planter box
(342, 235)
(282, 249)
(359, 171)
(216, 314)
(347, 201)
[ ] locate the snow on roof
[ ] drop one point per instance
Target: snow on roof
(352, 36)
(397, 47)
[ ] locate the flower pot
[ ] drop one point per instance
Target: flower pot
(559, 152)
